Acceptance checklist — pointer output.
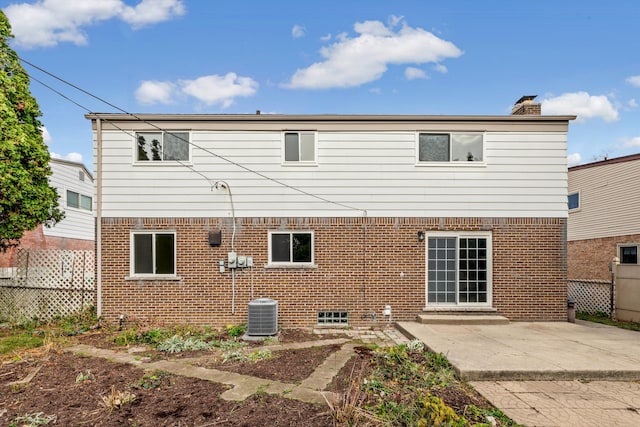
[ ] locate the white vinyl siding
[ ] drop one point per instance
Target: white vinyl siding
(78, 223)
(524, 175)
(609, 201)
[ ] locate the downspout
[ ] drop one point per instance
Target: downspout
(99, 218)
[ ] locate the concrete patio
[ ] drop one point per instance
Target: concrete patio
(545, 374)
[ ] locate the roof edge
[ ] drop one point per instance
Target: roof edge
(319, 117)
(629, 158)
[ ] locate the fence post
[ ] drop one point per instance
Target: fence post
(612, 268)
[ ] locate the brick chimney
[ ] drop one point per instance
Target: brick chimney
(526, 107)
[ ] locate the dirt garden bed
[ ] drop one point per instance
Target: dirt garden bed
(76, 390)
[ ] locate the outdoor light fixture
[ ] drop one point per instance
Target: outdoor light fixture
(420, 236)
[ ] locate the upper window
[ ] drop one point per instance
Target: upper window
(299, 147)
(162, 146)
(628, 254)
(153, 253)
(79, 201)
(574, 201)
(450, 147)
(290, 247)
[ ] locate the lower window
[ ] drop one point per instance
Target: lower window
(332, 318)
(458, 269)
(628, 253)
(153, 253)
(292, 247)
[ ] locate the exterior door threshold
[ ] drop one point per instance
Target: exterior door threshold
(488, 317)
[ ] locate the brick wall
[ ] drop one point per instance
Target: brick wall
(36, 239)
(589, 259)
(363, 264)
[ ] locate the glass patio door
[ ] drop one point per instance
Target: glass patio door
(458, 270)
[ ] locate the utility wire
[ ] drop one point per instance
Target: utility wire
(132, 134)
(206, 150)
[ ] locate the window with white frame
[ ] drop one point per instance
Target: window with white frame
(450, 147)
(291, 247)
(458, 269)
(628, 253)
(153, 253)
(161, 146)
(79, 201)
(300, 147)
(573, 201)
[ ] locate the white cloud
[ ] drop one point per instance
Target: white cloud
(574, 159)
(211, 89)
(412, 73)
(149, 12)
(326, 38)
(375, 90)
(215, 89)
(441, 68)
(633, 81)
(155, 92)
(354, 61)
(631, 142)
(297, 31)
(46, 136)
(72, 157)
(395, 20)
(581, 104)
(632, 103)
(46, 23)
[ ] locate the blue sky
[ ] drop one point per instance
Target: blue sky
(335, 56)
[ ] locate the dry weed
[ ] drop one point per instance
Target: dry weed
(116, 399)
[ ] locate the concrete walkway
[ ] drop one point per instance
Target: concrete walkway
(546, 374)
(243, 386)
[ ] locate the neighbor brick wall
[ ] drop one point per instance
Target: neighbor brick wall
(590, 258)
(36, 239)
(363, 264)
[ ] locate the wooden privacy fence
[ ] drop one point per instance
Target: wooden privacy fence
(48, 283)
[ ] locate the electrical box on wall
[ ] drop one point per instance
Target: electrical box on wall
(232, 260)
(215, 238)
(242, 261)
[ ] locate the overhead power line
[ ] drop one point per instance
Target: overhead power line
(206, 150)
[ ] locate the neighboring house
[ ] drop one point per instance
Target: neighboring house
(335, 217)
(603, 216)
(74, 184)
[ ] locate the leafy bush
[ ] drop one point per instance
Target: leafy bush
(415, 346)
(126, 337)
(151, 380)
(432, 411)
(236, 330)
(82, 377)
(34, 419)
(234, 356)
(258, 355)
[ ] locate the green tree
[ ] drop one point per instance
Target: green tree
(26, 198)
